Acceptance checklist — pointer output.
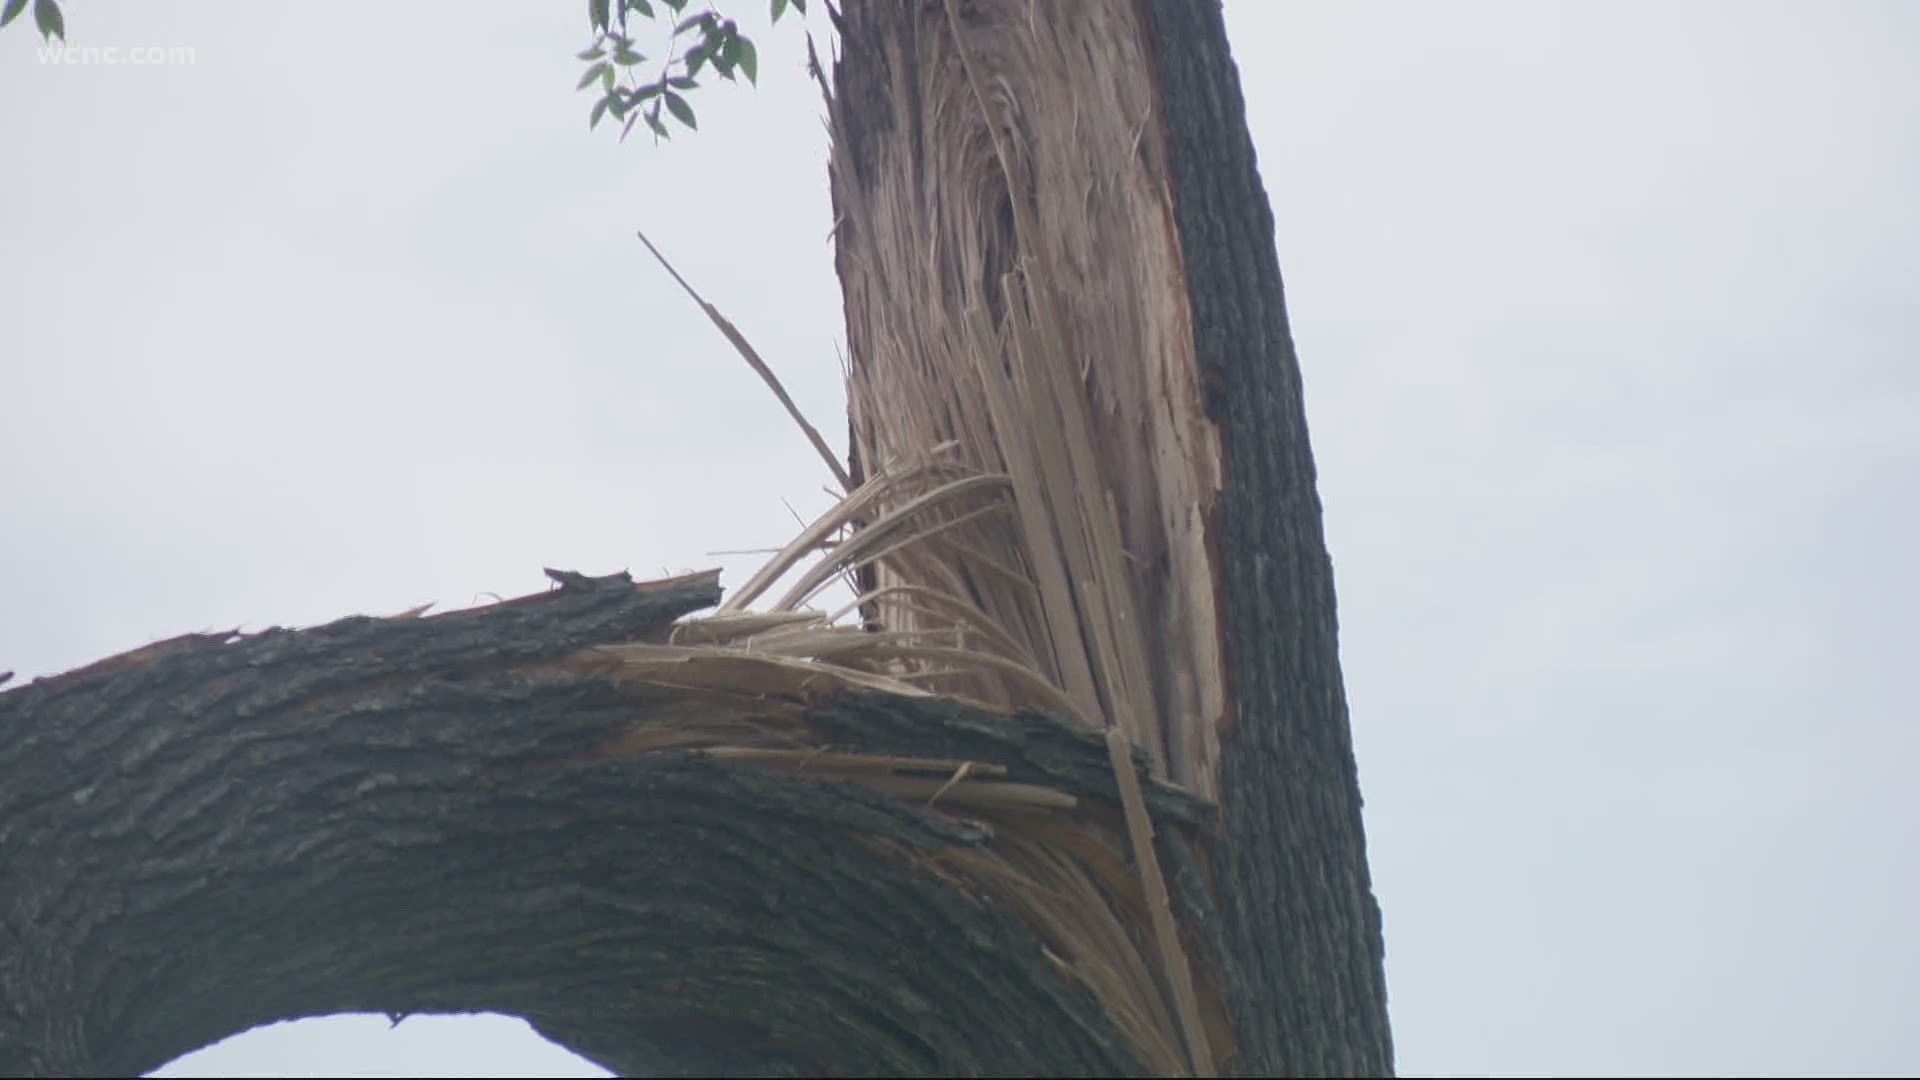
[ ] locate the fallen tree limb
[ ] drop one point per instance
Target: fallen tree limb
(496, 809)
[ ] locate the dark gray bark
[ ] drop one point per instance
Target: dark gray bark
(1305, 959)
(418, 816)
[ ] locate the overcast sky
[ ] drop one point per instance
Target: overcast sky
(1608, 314)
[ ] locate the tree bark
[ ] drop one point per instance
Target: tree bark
(452, 815)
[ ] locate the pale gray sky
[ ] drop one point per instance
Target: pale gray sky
(1609, 317)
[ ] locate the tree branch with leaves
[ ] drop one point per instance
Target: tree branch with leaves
(614, 63)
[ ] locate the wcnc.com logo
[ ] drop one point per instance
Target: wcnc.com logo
(112, 55)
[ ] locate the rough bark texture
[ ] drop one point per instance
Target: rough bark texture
(425, 816)
(1160, 246)
(1302, 928)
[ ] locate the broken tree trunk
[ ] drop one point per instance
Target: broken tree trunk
(1080, 800)
(1066, 197)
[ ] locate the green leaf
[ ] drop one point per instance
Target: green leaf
(682, 82)
(12, 11)
(640, 6)
(47, 17)
(606, 78)
(681, 111)
(627, 57)
(599, 110)
(594, 72)
(651, 90)
(676, 5)
(800, 6)
(703, 19)
(695, 59)
(597, 12)
(729, 55)
(659, 128)
(631, 120)
(594, 53)
(779, 9)
(749, 61)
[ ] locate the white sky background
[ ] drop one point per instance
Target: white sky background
(1608, 315)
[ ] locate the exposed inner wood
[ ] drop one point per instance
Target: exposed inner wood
(927, 238)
